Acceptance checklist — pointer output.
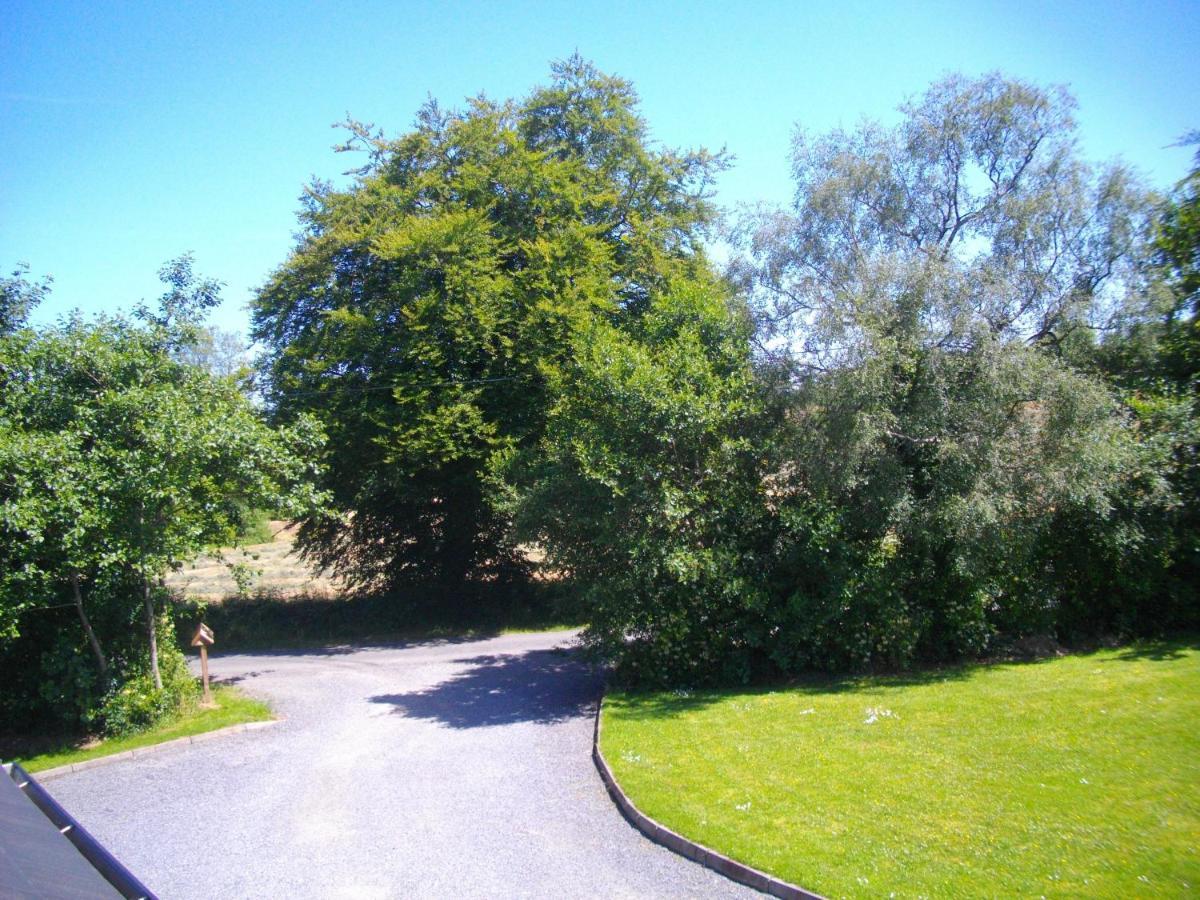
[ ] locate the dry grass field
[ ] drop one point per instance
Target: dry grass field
(273, 568)
(283, 602)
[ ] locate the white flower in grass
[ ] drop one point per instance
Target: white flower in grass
(875, 713)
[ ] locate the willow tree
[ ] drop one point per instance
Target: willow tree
(934, 293)
(424, 306)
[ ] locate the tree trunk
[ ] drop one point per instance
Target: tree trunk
(152, 631)
(461, 507)
(87, 627)
(148, 602)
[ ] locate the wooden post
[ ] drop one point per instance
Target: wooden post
(203, 638)
(204, 673)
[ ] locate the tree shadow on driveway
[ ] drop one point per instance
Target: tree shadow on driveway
(538, 686)
(240, 677)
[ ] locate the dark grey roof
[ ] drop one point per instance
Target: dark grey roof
(40, 862)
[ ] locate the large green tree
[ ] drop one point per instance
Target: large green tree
(1154, 360)
(933, 294)
(920, 461)
(425, 307)
(651, 489)
(118, 463)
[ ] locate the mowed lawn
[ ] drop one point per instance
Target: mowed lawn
(1076, 776)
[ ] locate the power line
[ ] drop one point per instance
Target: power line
(362, 389)
(39, 608)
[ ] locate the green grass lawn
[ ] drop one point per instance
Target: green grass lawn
(1077, 776)
(232, 708)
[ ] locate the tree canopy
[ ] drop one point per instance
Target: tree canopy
(943, 401)
(426, 307)
(118, 463)
(649, 487)
(974, 218)
(933, 294)
(926, 460)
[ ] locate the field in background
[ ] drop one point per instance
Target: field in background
(286, 603)
(272, 568)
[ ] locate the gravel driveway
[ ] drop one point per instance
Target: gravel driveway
(440, 769)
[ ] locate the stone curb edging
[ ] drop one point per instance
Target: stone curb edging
(705, 856)
(58, 771)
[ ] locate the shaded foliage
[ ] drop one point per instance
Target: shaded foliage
(648, 487)
(1153, 358)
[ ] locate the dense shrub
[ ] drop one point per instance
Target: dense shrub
(137, 704)
(649, 491)
(118, 462)
(52, 683)
(911, 508)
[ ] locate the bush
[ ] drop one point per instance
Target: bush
(648, 489)
(137, 704)
(922, 507)
(69, 687)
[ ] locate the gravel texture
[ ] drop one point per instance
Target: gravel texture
(437, 769)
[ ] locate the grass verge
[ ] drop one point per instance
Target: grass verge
(232, 708)
(1077, 776)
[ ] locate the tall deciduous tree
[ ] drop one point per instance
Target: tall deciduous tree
(118, 462)
(424, 307)
(650, 488)
(972, 219)
(928, 293)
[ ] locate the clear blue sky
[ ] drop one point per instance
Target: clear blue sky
(130, 133)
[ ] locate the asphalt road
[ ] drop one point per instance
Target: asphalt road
(442, 769)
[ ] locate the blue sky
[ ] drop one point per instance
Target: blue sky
(130, 133)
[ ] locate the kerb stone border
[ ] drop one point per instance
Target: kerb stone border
(705, 856)
(59, 771)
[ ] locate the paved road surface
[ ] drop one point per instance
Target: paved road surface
(443, 769)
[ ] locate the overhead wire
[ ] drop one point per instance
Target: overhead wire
(468, 382)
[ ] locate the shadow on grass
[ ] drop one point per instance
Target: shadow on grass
(1158, 651)
(538, 686)
(652, 704)
(23, 747)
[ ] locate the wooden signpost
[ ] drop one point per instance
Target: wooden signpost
(203, 638)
